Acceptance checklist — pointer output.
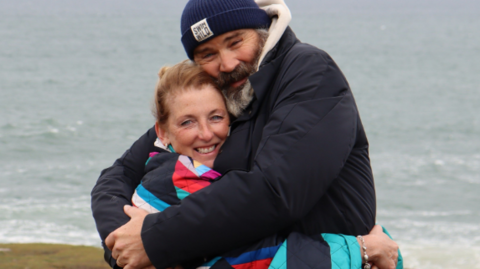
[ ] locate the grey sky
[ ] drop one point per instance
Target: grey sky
(174, 7)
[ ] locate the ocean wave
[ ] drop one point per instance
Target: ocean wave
(428, 232)
(422, 169)
(410, 213)
(30, 231)
(23, 205)
(44, 128)
(8, 126)
(427, 256)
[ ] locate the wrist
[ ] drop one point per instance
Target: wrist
(360, 245)
(364, 255)
(373, 254)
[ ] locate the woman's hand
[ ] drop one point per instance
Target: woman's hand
(381, 250)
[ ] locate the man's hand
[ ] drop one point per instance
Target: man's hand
(382, 251)
(126, 242)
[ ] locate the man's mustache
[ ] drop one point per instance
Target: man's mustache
(240, 72)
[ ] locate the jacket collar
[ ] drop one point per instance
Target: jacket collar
(263, 80)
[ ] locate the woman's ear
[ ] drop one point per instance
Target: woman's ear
(161, 134)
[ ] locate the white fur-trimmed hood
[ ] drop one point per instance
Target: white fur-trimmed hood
(281, 17)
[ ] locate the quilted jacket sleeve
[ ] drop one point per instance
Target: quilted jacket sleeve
(344, 251)
(305, 145)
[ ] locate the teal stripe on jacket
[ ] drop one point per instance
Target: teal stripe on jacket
(344, 251)
(280, 259)
(151, 199)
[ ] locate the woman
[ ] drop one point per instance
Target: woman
(192, 120)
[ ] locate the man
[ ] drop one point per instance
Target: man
(296, 159)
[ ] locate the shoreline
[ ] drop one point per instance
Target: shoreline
(45, 255)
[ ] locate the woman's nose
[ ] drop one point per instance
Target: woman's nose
(205, 132)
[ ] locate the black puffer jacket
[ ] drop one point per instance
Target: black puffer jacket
(296, 160)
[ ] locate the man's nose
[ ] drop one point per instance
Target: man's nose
(228, 62)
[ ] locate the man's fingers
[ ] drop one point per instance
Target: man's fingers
(128, 210)
(110, 240)
(127, 247)
(128, 266)
(133, 211)
(115, 255)
(122, 262)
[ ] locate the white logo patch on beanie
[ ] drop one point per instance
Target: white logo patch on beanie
(201, 30)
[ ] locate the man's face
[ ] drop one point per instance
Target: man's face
(230, 58)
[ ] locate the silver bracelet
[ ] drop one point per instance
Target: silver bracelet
(365, 256)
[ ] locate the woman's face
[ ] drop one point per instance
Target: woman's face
(197, 125)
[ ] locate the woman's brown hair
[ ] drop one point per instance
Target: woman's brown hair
(183, 76)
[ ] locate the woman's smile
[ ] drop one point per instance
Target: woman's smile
(206, 150)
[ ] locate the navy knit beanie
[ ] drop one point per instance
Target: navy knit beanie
(203, 20)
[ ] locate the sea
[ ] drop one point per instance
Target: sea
(76, 87)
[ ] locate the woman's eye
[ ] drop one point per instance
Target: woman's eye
(217, 118)
(186, 123)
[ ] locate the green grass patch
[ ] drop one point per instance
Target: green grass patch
(50, 256)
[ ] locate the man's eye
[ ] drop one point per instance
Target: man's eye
(235, 43)
(207, 56)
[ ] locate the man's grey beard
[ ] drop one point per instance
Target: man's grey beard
(238, 99)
